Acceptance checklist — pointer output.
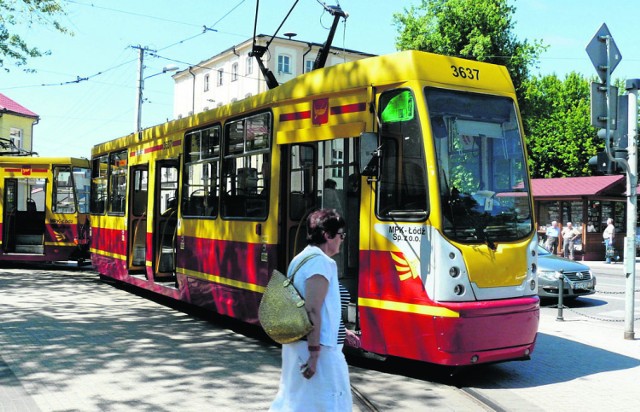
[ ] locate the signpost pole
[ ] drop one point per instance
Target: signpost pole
(605, 57)
(632, 199)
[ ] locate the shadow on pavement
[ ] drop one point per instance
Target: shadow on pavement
(115, 351)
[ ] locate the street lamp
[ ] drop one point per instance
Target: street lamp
(141, 79)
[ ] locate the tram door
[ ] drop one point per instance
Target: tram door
(302, 198)
(137, 218)
(24, 213)
(325, 175)
(165, 220)
(10, 206)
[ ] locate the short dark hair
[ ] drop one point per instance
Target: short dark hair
(323, 221)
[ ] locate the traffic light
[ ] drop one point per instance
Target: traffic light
(619, 136)
(601, 165)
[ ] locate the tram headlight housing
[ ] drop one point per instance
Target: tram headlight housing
(454, 271)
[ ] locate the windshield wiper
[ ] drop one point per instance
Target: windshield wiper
(407, 213)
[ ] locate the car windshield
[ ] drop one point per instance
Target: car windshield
(542, 251)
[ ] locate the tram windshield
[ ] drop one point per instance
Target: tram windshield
(482, 169)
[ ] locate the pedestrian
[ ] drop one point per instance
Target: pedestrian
(330, 197)
(609, 235)
(315, 376)
(553, 233)
(569, 236)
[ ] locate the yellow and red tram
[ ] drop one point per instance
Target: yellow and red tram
(45, 209)
(422, 154)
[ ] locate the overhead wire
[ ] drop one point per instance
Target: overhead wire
(205, 28)
(146, 16)
(80, 79)
(87, 108)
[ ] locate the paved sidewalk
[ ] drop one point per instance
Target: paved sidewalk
(74, 343)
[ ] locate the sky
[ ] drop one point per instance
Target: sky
(85, 91)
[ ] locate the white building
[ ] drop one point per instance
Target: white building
(233, 75)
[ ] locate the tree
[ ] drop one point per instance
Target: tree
(560, 138)
(474, 29)
(13, 47)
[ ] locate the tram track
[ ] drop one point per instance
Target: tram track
(449, 393)
(362, 401)
(484, 402)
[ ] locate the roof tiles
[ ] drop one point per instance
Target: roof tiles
(11, 106)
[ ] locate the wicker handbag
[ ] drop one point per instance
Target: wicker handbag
(282, 313)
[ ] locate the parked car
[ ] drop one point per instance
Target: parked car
(578, 278)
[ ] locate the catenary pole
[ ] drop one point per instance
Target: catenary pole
(140, 88)
(632, 86)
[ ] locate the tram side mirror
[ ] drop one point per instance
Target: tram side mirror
(369, 154)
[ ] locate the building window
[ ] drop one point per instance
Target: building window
(15, 135)
(249, 68)
(234, 72)
(220, 73)
(206, 82)
(308, 66)
(284, 64)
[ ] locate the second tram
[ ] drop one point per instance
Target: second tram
(45, 209)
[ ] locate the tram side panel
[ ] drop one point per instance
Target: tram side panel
(223, 275)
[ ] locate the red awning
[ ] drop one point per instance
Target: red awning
(578, 186)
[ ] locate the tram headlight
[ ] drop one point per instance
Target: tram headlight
(454, 271)
(532, 284)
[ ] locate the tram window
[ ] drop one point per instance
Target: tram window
(168, 187)
(140, 183)
(403, 186)
(200, 192)
(99, 171)
(302, 181)
(82, 181)
(31, 195)
(117, 181)
(245, 171)
(201, 179)
(63, 193)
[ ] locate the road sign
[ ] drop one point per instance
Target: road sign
(600, 57)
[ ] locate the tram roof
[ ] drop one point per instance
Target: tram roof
(42, 160)
(395, 68)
